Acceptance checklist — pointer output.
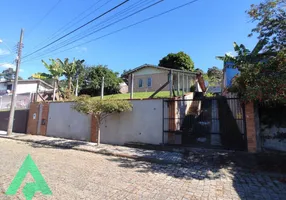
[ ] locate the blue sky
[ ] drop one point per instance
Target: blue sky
(203, 30)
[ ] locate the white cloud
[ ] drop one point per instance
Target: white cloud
(81, 49)
(4, 52)
(9, 65)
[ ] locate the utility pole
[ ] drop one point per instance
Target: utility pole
(102, 88)
(13, 100)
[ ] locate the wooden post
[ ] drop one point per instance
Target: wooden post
(102, 88)
(183, 92)
(171, 83)
(40, 112)
(188, 84)
(132, 86)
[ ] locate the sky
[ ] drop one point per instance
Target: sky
(204, 29)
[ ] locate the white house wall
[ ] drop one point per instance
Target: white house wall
(64, 122)
(143, 124)
(26, 88)
(3, 88)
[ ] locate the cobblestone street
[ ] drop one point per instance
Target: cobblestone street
(73, 174)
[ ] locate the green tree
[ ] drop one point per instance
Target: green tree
(70, 70)
(56, 71)
(270, 19)
(42, 76)
(100, 109)
(264, 81)
(9, 74)
(93, 78)
(214, 75)
(180, 60)
(124, 76)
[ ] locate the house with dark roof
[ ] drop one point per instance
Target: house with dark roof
(151, 78)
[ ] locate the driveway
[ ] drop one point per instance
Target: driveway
(73, 174)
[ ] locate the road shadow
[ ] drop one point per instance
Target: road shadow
(218, 168)
(194, 165)
(59, 144)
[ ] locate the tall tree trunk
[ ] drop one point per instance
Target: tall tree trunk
(69, 87)
(54, 91)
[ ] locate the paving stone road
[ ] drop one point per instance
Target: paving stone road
(74, 174)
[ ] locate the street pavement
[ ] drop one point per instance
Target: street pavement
(73, 174)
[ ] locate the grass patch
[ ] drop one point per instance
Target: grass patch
(137, 95)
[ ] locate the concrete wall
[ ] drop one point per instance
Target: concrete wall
(272, 127)
(143, 124)
(65, 122)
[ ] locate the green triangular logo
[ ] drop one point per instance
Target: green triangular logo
(29, 189)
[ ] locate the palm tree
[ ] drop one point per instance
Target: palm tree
(56, 71)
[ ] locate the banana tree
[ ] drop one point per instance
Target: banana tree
(244, 55)
(71, 70)
(56, 71)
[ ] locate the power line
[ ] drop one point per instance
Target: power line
(119, 30)
(77, 28)
(110, 24)
(68, 25)
(66, 42)
(45, 16)
(113, 23)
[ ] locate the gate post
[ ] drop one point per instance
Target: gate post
(250, 128)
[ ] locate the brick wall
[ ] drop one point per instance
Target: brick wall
(250, 128)
(34, 120)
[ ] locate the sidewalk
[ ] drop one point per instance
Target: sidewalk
(194, 158)
(120, 151)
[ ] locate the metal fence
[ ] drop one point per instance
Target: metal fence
(208, 122)
(22, 101)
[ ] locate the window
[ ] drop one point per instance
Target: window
(9, 87)
(149, 82)
(140, 83)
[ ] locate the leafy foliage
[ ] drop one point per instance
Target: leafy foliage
(180, 60)
(43, 76)
(93, 78)
(71, 71)
(262, 81)
(215, 75)
(8, 74)
(55, 68)
(124, 76)
(270, 16)
(56, 71)
(100, 108)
